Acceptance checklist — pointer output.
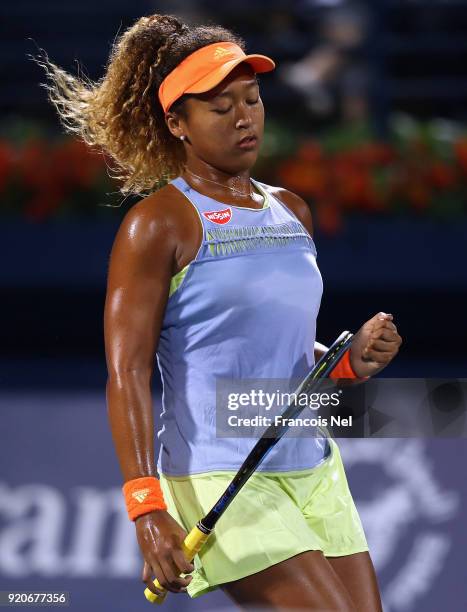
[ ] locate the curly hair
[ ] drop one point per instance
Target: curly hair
(120, 114)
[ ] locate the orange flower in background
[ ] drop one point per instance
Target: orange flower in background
(299, 175)
(375, 153)
(310, 151)
(460, 150)
(328, 217)
(371, 177)
(338, 173)
(305, 173)
(419, 196)
(34, 163)
(353, 183)
(441, 176)
(76, 165)
(7, 162)
(50, 173)
(37, 172)
(350, 187)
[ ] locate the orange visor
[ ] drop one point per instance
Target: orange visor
(205, 68)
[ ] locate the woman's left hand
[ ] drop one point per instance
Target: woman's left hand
(374, 345)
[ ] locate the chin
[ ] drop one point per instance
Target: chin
(232, 170)
(246, 162)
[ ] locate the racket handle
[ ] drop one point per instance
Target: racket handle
(192, 544)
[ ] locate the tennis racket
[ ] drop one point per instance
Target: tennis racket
(271, 436)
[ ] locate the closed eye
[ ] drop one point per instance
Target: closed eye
(221, 111)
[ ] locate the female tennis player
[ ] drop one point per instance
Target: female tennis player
(215, 273)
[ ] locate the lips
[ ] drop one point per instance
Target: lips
(248, 142)
(248, 138)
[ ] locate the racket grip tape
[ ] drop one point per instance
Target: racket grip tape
(192, 544)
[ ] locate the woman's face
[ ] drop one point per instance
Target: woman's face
(219, 119)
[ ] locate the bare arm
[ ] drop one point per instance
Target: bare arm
(137, 290)
(139, 275)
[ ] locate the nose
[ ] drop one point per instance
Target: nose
(243, 117)
(244, 122)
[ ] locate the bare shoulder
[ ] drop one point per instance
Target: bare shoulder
(152, 215)
(295, 203)
(153, 221)
(161, 226)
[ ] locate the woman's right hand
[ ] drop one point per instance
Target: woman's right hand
(160, 538)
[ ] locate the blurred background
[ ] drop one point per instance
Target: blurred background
(366, 118)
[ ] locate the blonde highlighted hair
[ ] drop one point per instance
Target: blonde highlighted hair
(120, 114)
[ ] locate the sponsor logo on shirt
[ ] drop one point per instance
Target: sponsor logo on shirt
(220, 217)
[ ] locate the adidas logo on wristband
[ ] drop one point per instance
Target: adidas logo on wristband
(140, 495)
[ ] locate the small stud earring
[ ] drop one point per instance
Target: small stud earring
(182, 137)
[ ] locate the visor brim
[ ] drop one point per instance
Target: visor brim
(259, 63)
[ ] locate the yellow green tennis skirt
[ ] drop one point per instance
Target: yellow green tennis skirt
(275, 516)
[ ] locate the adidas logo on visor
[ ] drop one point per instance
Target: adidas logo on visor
(220, 52)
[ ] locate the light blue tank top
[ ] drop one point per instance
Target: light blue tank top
(244, 308)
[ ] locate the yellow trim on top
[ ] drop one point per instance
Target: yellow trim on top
(177, 279)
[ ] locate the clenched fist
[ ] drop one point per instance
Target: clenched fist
(374, 345)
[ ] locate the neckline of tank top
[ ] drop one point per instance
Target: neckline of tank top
(263, 192)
